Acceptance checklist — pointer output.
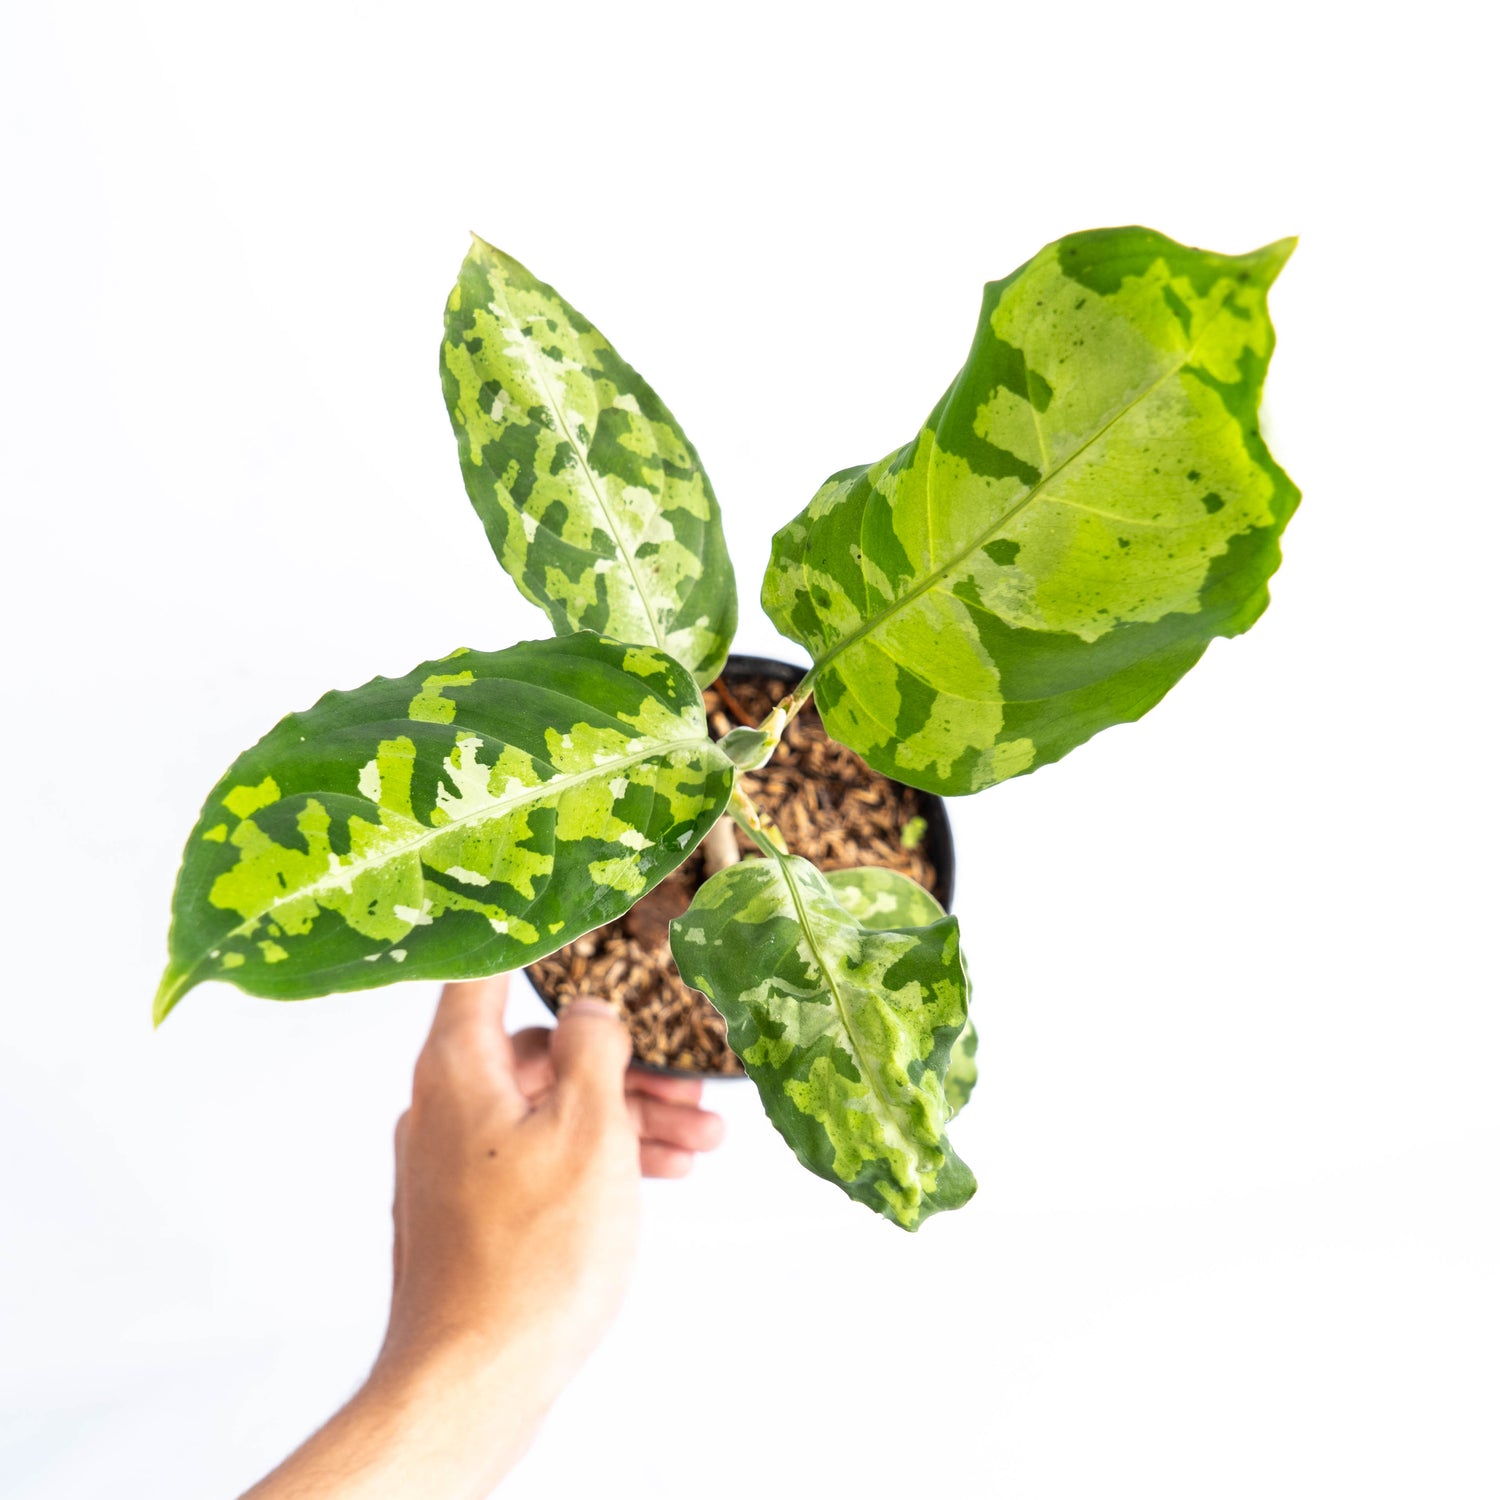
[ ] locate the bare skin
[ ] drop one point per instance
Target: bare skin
(518, 1172)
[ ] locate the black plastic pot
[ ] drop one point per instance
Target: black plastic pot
(938, 837)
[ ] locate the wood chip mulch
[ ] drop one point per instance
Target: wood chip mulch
(832, 809)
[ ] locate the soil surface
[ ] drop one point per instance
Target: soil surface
(832, 809)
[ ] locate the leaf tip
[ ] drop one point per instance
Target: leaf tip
(174, 985)
(1269, 259)
(483, 253)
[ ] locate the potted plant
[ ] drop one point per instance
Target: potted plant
(1087, 506)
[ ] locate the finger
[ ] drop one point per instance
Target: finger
(403, 1125)
(664, 1161)
(664, 1086)
(678, 1125)
(472, 1005)
(534, 1072)
(469, 1022)
(531, 1050)
(590, 1051)
(468, 1048)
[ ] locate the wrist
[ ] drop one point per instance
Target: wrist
(489, 1399)
(441, 1421)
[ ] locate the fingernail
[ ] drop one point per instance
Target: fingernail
(589, 1008)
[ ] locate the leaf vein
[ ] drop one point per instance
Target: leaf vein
(583, 463)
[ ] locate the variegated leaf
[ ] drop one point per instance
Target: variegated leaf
(845, 1029)
(594, 500)
(1090, 503)
(963, 1070)
(469, 817)
(749, 749)
(882, 898)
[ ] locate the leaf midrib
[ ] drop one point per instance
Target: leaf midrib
(346, 874)
(889, 1110)
(935, 577)
(625, 557)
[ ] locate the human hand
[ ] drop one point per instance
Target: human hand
(518, 1172)
(665, 1110)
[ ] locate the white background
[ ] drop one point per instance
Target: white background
(1236, 1132)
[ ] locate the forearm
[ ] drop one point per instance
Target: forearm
(446, 1425)
(517, 1201)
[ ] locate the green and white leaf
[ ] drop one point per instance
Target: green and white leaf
(593, 499)
(845, 1029)
(469, 817)
(963, 1070)
(881, 898)
(749, 748)
(1090, 503)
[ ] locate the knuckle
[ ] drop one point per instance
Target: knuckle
(585, 1132)
(430, 1077)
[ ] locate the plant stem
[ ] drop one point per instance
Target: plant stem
(795, 701)
(763, 833)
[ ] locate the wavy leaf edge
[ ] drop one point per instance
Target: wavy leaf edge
(846, 1033)
(958, 643)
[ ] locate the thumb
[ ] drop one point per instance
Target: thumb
(590, 1052)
